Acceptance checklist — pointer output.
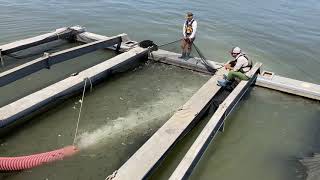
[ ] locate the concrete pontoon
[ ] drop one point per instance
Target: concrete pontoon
(50, 59)
(151, 154)
(34, 102)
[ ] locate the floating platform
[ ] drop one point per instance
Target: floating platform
(151, 154)
(50, 59)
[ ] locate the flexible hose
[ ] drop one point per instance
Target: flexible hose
(27, 162)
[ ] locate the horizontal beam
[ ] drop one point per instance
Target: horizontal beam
(192, 157)
(36, 101)
(150, 155)
(62, 33)
(54, 58)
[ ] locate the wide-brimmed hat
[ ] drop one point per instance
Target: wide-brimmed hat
(189, 14)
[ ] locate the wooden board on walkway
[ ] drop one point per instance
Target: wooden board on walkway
(33, 102)
(54, 58)
(197, 149)
(155, 149)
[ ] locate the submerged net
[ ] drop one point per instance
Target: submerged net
(175, 46)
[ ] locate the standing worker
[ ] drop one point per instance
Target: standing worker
(189, 34)
(238, 68)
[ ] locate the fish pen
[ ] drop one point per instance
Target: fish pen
(155, 145)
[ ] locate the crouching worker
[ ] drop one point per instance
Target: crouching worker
(238, 68)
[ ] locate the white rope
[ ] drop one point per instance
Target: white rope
(90, 84)
(79, 116)
(112, 176)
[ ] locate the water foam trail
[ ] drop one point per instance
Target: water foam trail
(138, 120)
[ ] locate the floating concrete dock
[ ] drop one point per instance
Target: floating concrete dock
(62, 33)
(151, 154)
(32, 103)
(54, 58)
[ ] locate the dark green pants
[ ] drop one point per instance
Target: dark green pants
(236, 74)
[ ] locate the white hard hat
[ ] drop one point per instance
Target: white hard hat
(236, 50)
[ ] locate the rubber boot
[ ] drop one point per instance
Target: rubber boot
(187, 56)
(225, 76)
(223, 82)
(183, 55)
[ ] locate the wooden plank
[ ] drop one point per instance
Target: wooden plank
(33, 102)
(54, 58)
(156, 148)
(41, 39)
(208, 133)
(291, 86)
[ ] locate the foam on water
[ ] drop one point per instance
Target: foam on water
(142, 119)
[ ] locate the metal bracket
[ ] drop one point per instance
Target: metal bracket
(119, 45)
(267, 74)
(1, 58)
(47, 56)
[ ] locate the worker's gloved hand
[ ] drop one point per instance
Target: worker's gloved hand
(227, 66)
